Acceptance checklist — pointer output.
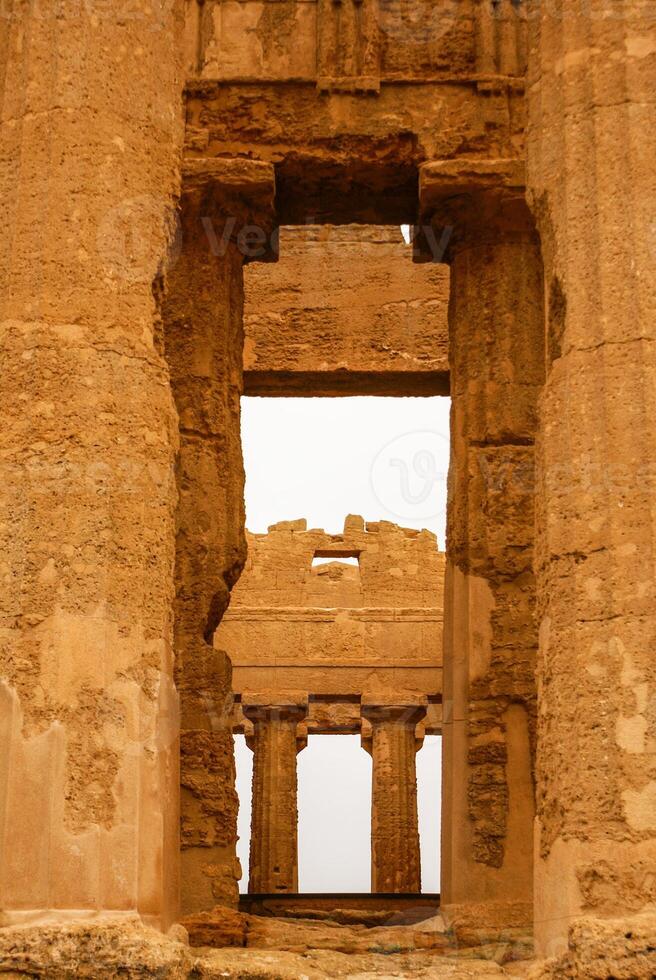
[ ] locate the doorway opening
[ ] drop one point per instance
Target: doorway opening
(386, 459)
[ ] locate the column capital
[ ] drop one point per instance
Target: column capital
(464, 203)
(404, 708)
(234, 199)
(274, 706)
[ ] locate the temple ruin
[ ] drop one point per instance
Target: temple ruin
(202, 199)
(337, 649)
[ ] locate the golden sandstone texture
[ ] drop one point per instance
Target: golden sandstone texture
(200, 199)
(320, 646)
(270, 950)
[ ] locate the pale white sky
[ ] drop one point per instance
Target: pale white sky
(324, 458)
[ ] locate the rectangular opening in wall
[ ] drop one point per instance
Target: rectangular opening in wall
(343, 590)
(321, 459)
(329, 558)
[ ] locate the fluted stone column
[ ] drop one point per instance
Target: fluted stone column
(90, 143)
(496, 358)
(395, 859)
(274, 820)
(223, 202)
(592, 183)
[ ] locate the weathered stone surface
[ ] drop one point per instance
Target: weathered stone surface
(125, 948)
(275, 718)
(334, 629)
(121, 947)
(602, 948)
(218, 928)
(369, 112)
(345, 311)
(349, 49)
(255, 964)
(490, 632)
(506, 925)
(225, 928)
(592, 185)
(395, 859)
(347, 908)
(88, 708)
(350, 99)
(203, 341)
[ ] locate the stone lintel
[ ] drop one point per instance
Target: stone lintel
(341, 716)
(466, 202)
(341, 383)
(234, 197)
(359, 316)
(359, 159)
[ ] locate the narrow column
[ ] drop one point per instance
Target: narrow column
(227, 209)
(88, 708)
(496, 359)
(274, 821)
(592, 143)
(395, 860)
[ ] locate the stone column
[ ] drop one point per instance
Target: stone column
(496, 359)
(592, 183)
(274, 820)
(227, 212)
(395, 860)
(90, 140)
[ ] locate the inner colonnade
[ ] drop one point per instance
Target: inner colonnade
(395, 832)
(333, 649)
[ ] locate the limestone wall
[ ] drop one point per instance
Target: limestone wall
(353, 45)
(362, 112)
(337, 629)
(345, 311)
(203, 342)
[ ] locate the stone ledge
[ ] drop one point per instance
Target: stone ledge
(314, 614)
(122, 947)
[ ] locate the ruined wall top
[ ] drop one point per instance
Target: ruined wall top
(397, 567)
(336, 630)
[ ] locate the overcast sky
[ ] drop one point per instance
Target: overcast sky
(323, 458)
